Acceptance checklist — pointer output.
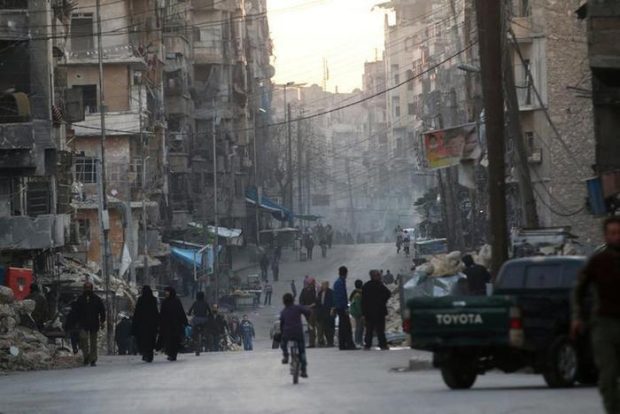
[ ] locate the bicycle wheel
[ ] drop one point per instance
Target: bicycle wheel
(295, 364)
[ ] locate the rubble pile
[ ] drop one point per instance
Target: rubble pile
(446, 265)
(22, 347)
(77, 274)
(393, 321)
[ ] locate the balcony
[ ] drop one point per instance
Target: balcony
(209, 52)
(16, 136)
(119, 54)
(178, 105)
(178, 162)
(177, 43)
(33, 233)
(14, 24)
(117, 123)
(208, 5)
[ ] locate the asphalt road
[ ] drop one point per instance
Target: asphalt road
(354, 382)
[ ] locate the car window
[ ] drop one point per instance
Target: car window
(511, 276)
(543, 276)
(571, 270)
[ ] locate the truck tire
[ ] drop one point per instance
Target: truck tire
(562, 364)
(459, 373)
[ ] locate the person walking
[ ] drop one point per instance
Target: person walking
(309, 243)
(200, 311)
(374, 308)
(307, 298)
(122, 335)
(275, 269)
(40, 314)
(324, 316)
(341, 307)
(145, 324)
(247, 333)
(264, 267)
(218, 327)
(172, 324)
(477, 276)
(601, 276)
(268, 292)
(293, 290)
(356, 312)
(90, 312)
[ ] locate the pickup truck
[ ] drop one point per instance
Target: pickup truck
(523, 324)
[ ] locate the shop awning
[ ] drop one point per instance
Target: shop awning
(233, 236)
(278, 212)
(192, 257)
(308, 217)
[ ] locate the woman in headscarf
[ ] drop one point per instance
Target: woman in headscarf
(145, 323)
(172, 324)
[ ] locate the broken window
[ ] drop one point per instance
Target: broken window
(411, 109)
(82, 32)
(86, 169)
(89, 97)
(38, 197)
(84, 229)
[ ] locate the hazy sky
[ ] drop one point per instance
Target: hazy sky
(345, 32)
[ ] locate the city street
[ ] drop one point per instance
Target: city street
(256, 382)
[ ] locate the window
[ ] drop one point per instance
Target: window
(411, 109)
(529, 141)
(86, 169)
(511, 276)
(396, 77)
(84, 229)
(82, 32)
(522, 8)
(409, 75)
(89, 97)
(543, 276)
(396, 105)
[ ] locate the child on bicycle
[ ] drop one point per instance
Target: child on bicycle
(292, 329)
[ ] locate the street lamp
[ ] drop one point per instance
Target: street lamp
(465, 67)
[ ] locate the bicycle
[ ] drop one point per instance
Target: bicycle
(295, 362)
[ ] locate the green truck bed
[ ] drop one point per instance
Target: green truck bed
(453, 321)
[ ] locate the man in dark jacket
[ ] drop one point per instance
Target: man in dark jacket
(341, 305)
(601, 276)
(324, 316)
(374, 308)
(90, 313)
(477, 276)
(307, 298)
(217, 329)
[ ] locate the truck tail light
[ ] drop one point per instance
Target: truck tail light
(407, 325)
(515, 332)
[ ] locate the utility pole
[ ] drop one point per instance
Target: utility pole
(215, 208)
(491, 35)
(351, 206)
(257, 209)
(104, 218)
(299, 165)
(145, 250)
(289, 160)
(526, 190)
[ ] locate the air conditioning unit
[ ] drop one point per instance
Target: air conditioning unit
(177, 136)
